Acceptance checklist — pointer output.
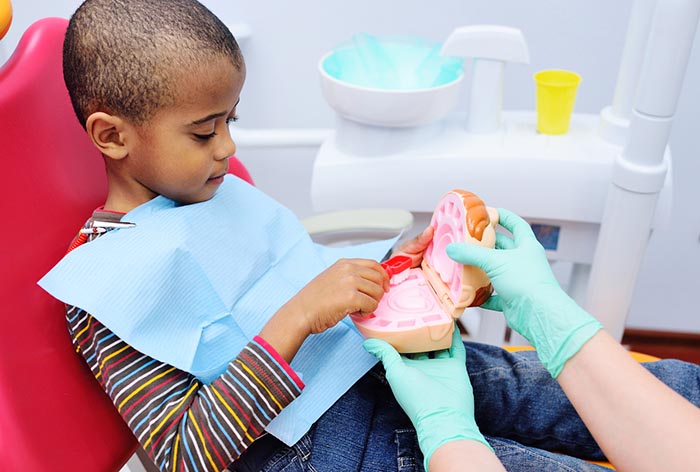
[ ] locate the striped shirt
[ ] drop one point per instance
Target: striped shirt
(181, 423)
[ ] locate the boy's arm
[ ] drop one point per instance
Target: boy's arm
(177, 419)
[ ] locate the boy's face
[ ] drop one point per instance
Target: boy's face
(182, 151)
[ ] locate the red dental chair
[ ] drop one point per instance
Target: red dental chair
(53, 414)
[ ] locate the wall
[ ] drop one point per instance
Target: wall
(587, 36)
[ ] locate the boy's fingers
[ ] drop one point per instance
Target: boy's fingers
(370, 289)
(372, 272)
(426, 236)
(416, 246)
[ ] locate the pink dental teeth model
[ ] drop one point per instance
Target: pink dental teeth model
(417, 313)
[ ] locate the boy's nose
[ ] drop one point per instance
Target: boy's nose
(226, 150)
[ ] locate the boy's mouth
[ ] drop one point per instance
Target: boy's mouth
(217, 179)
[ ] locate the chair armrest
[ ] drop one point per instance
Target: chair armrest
(357, 226)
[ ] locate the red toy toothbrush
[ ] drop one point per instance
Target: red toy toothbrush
(395, 266)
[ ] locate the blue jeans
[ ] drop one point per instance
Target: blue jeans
(520, 409)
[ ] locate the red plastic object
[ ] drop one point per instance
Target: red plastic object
(396, 265)
(237, 168)
(53, 413)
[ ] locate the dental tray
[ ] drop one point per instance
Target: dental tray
(417, 313)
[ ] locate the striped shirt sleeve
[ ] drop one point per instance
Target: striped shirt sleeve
(181, 423)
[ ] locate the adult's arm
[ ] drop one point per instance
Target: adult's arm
(639, 422)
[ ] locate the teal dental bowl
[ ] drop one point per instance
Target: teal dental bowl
(391, 83)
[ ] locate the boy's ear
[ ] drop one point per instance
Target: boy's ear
(107, 134)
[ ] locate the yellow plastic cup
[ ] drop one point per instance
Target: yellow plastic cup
(556, 95)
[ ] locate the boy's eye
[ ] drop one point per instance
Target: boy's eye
(205, 137)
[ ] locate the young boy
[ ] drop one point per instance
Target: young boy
(156, 83)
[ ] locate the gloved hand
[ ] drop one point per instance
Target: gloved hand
(435, 393)
(528, 294)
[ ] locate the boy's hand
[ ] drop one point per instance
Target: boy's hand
(416, 246)
(350, 286)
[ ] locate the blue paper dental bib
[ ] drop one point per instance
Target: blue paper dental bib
(192, 285)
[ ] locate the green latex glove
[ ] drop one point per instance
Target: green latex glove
(528, 294)
(435, 393)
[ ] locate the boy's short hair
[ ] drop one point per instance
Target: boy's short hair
(124, 57)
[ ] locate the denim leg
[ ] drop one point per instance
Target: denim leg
(520, 409)
(393, 444)
(516, 457)
(341, 434)
(516, 398)
(367, 431)
(268, 454)
(683, 377)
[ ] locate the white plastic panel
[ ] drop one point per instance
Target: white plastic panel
(671, 39)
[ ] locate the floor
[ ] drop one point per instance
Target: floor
(664, 344)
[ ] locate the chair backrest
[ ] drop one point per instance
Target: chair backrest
(53, 414)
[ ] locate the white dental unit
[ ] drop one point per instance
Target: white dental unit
(592, 195)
